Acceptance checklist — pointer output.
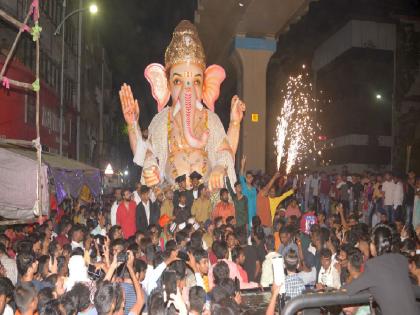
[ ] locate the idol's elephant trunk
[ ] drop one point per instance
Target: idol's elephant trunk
(188, 102)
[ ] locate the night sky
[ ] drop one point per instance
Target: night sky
(136, 33)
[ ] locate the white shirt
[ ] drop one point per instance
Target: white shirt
(114, 209)
(141, 149)
(195, 194)
(147, 210)
(151, 277)
(267, 269)
(398, 195)
(388, 188)
(8, 310)
(315, 186)
(329, 277)
(74, 245)
(136, 197)
(308, 277)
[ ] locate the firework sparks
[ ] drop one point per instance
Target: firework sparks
(281, 129)
(297, 128)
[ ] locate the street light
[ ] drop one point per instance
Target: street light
(93, 9)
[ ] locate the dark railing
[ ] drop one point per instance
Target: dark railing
(318, 300)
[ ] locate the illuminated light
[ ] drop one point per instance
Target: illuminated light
(93, 8)
(241, 4)
(126, 173)
(255, 117)
(378, 96)
(109, 170)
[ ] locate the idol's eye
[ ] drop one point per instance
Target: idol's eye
(197, 82)
(177, 82)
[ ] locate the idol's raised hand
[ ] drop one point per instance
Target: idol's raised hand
(129, 105)
(237, 108)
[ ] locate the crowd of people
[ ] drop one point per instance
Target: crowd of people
(166, 250)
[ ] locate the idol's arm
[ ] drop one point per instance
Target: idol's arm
(233, 135)
(237, 109)
(134, 135)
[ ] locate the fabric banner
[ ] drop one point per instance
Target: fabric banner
(70, 182)
(18, 186)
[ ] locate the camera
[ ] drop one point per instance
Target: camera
(95, 274)
(183, 255)
(122, 257)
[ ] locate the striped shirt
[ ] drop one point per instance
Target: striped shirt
(130, 296)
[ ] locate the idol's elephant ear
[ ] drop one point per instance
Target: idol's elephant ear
(156, 75)
(213, 77)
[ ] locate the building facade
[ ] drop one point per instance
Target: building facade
(356, 55)
(84, 140)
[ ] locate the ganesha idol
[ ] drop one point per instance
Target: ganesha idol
(186, 135)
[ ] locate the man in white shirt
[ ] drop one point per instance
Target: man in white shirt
(328, 275)
(114, 207)
(136, 194)
(388, 188)
(267, 266)
(153, 274)
(77, 237)
(308, 191)
(8, 264)
(398, 197)
(315, 190)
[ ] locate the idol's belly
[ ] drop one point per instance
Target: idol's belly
(186, 161)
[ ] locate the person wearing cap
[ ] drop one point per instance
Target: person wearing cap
(147, 212)
(195, 178)
(182, 212)
(182, 187)
(201, 208)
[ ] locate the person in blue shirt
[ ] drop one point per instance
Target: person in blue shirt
(249, 191)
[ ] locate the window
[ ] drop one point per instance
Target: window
(28, 52)
(69, 88)
(30, 109)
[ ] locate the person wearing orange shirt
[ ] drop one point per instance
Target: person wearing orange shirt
(263, 203)
(224, 208)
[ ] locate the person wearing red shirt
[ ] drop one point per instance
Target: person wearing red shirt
(293, 209)
(64, 229)
(224, 208)
(126, 215)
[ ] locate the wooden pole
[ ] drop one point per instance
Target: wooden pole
(8, 18)
(11, 19)
(18, 84)
(22, 143)
(38, 138)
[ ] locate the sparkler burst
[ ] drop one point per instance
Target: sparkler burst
(296, 131)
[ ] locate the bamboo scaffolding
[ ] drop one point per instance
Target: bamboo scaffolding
(37, 142)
